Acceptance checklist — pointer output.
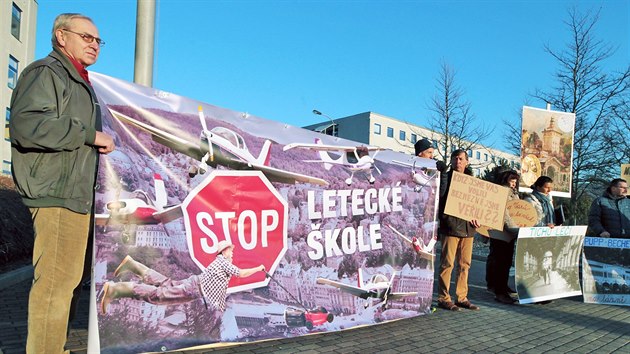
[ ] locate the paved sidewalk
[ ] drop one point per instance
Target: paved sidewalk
(564, 326)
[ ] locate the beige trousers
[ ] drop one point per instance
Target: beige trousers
(60, 240)
(455, 251)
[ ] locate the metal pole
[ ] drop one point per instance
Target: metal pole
(145, 42)
(334, 125)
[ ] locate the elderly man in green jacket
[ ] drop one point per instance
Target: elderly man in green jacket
(56, 138)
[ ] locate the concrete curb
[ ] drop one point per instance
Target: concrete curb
(15, 276)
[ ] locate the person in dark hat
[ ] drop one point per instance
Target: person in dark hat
(424, 148)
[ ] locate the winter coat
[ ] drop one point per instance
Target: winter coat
(610, 214)
(54, 119)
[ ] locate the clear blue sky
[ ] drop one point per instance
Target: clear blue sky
(281, 59)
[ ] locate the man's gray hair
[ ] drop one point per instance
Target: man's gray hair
(63, 21)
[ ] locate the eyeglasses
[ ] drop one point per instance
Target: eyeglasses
(88, 38)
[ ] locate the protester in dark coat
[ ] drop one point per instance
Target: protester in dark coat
(610, 214)
(457, 240)
(501, 252)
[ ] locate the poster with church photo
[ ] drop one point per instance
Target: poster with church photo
(547, 149)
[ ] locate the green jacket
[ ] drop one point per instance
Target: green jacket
(54, 118)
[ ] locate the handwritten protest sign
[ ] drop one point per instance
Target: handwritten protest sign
(522, 214)
(625, 171)
(470, 198)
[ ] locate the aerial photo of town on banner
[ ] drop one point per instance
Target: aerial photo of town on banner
(217, 226)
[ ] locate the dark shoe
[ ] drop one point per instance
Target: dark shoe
(511, 292)
(504, 299)
(543, 302)
(448, 305)
(467, 305)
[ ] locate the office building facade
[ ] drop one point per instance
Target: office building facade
(18, 22)
(378, 130)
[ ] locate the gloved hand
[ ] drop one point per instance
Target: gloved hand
(441, 166)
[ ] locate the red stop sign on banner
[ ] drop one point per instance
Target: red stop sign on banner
(244, 208)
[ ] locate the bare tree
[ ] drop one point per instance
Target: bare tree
(452, 121)
(618, 132)
(583, 87)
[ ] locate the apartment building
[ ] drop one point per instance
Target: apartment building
(18, 21)
(378, 130)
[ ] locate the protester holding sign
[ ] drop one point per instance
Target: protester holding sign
(610, 214)
(542, 202)
(501, 251)
(457, 241)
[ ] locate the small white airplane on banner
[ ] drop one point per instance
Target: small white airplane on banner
(139, 209)
(354, 158)
(377, 288)
(423, 251)
(220, 146)
(419, 177)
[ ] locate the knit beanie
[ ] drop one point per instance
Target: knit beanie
(422, 145)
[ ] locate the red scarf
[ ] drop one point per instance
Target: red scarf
(81, 70)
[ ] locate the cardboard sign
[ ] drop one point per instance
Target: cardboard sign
(625, 171)
(522, 214)
(471, 198)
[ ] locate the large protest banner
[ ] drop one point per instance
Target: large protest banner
(606, 271)
(547, 149)
(547, 262)
(325, 217)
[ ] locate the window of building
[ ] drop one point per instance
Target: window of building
(16, 20)
(435, 144)
(485, 157)
(512, 164)
(403, 135)
(13, 72)
(414, 138)
(390, 132)
(377, 129)
(6, 125)
(478, 155)
(469, 153)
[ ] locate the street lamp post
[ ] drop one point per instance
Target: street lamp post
(334, 125)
